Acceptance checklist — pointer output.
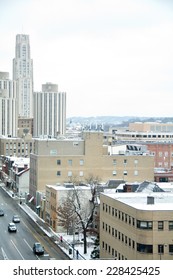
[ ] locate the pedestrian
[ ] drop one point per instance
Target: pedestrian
(61, 239)
(77, 254)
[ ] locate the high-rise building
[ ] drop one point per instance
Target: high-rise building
(23, 75)
(8, 106)
(49, 111)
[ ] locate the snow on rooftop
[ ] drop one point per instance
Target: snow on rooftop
(162, 201)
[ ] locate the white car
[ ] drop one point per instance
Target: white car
(12, 227)
(16, 219)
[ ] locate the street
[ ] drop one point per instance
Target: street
(18, 246)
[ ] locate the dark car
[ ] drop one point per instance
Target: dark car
(12, 227)
(16, 219)
(38, 249)
(1, 212)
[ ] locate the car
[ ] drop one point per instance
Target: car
(1, 212)
(16, 219)
(12, 227)
(38, 249)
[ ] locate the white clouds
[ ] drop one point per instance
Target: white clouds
(102, 53)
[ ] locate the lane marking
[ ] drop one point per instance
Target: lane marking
(4, 254)
(17, 249)
(27, 244)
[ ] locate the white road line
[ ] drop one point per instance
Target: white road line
(4, 254)
(27, 244)
(17, 249)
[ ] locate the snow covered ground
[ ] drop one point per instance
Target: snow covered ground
(79, 246)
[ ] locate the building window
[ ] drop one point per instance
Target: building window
(114, 162)
(171, 249)
(81, 173)
(114, 173)
(136, 173)
(58, 162)
(170, 225)
(143, 248)
(125, 161)
(160, 249)
(144, 224)
(70, 162)
(75, 144)
(81, 162)
(160, 225)
(136, 162)
(58, 173)
(69, 174)
(125, 172)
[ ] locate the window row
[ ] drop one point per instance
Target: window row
(115, 255)
(114, 161)
(70, 162)
(140, 224)
(118, 235)
(70, 173)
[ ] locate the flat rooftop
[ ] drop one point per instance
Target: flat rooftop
(162, 201)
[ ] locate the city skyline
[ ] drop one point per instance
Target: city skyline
(111, 57)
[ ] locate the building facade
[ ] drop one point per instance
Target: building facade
(49, 111)
(23, 75)
(18, 147)
(8, 106)
(136, 226)
(56, 196)
(77, 159)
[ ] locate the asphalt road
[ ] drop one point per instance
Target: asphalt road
(18, 246)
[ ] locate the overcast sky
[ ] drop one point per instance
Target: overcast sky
(111, 57)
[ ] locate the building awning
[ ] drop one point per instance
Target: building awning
(31, 199)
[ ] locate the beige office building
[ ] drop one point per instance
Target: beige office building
(18, 147)
(136, 226)
(76, 159)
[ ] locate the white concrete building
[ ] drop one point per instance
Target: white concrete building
(49, 111)
(23, 75)
(8, 106)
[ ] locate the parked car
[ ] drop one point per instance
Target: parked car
(12, 227)
(38, 249)
(1, 212)
(16, 219)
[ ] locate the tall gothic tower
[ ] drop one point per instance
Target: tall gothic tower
(23, 75)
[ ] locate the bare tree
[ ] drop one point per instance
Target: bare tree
(85, 218)
(66, 217)
(77, 212)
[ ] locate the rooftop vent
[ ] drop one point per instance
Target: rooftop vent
(150, 200)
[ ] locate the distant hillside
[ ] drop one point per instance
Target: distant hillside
(111, 120)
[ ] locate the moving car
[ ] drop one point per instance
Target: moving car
(38, 249)
(1, 212)
(12, 227)
(16, 219)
